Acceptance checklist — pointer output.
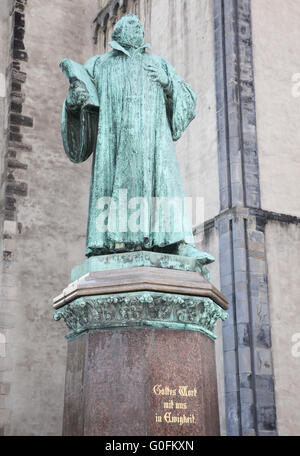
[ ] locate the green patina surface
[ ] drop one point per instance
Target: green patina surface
(138, 259)
(140, 310)
(127, 107)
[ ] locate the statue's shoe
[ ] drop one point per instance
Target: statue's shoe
(191, 252)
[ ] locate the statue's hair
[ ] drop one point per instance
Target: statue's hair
(118, 28)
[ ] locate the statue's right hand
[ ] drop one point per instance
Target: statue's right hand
(77, 96)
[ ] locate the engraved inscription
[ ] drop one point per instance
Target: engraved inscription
(175, 404)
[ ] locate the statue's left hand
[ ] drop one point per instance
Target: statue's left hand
(157, 74)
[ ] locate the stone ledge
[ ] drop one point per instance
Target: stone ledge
(140, 279)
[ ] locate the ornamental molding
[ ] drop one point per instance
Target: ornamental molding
(140, 310)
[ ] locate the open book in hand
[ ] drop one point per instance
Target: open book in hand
(76, 72)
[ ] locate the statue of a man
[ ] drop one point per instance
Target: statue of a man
(143, 106)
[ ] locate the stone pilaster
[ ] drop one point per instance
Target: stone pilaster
(249, 385)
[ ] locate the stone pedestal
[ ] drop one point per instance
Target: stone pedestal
(141, 382)
(141, 357)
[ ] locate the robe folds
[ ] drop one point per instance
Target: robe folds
(135, 171)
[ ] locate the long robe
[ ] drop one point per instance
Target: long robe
(133, 148)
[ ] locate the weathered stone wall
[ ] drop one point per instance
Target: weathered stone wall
(46, 209)
(276, 61)
(4, 323)
(283, 256)
(276, 65)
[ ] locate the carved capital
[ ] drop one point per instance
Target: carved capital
(141, 309)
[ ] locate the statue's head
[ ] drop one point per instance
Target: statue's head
(129, 31)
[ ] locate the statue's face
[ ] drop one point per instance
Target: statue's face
(130, 31)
